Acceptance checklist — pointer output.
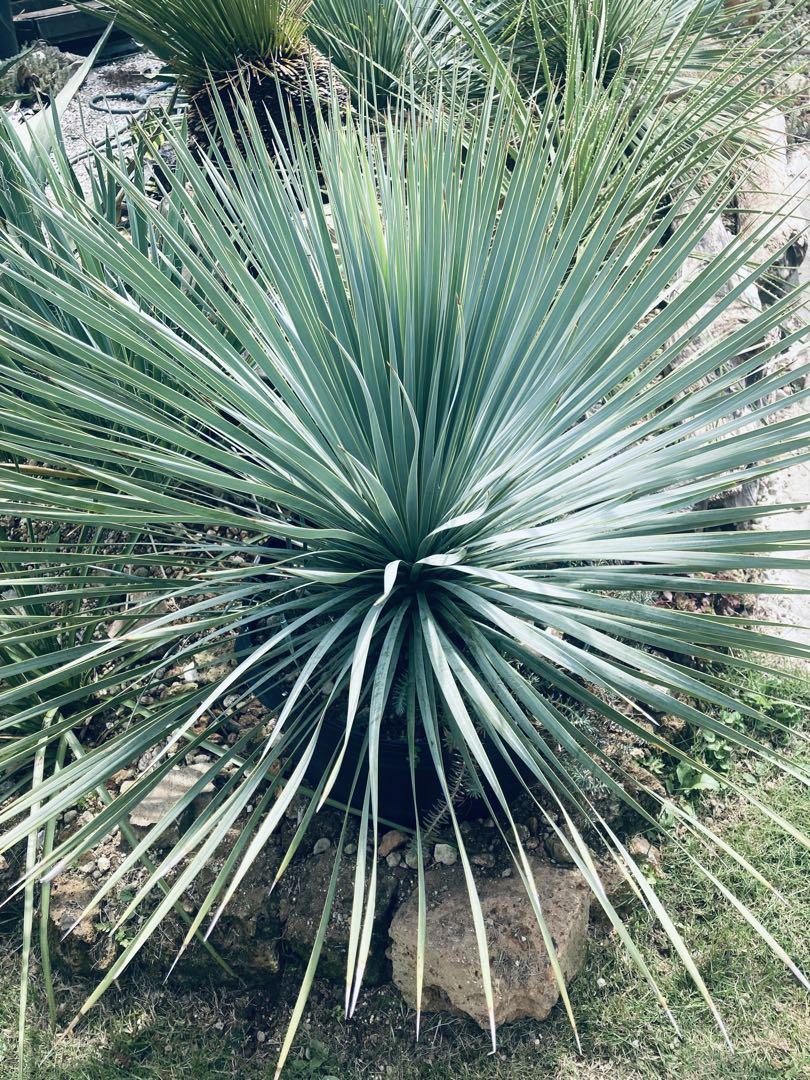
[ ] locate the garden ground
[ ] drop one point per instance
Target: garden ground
(144, 1030)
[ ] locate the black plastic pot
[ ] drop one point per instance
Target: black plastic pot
(395, 792)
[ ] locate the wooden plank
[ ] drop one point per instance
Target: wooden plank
(57, 23)
(22, 7)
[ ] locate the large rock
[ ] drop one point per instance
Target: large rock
(301, 895)
(87, 949)
(522, 979)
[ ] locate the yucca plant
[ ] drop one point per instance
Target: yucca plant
(550, 40)
(378, 45)
(408, 438)
(257, 45)
(694, 66)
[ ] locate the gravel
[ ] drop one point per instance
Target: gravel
(90, 117)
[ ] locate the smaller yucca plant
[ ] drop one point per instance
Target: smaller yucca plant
(695, 66)
(196, 38)
(259, 45)
(377, 44)
(548, 40)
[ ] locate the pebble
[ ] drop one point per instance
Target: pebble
(350, 849)
(411, 859)
(70, 815)
(643, 851)
(557, 851)
(393, 859)
(601, 983)
(507, 872)
(321, 845)
(483, 858)
(445, 854)
(390, 841)
(103, 863)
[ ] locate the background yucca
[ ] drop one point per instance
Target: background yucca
(197, 38)
(258, 47)
(379, 46)
(418, 420)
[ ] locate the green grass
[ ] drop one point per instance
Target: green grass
(146, 1030)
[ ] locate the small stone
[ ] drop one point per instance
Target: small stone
(321, 845)
(390, 841)
(70, 815)
(445, 854)
(103, 863)
(393, 858)
(411, 859)
(127, 784)
(644, 852)
(507, 872)
(601, 983)
(556, 850)
(261, 1036)
(483, 858)
(350, 849)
